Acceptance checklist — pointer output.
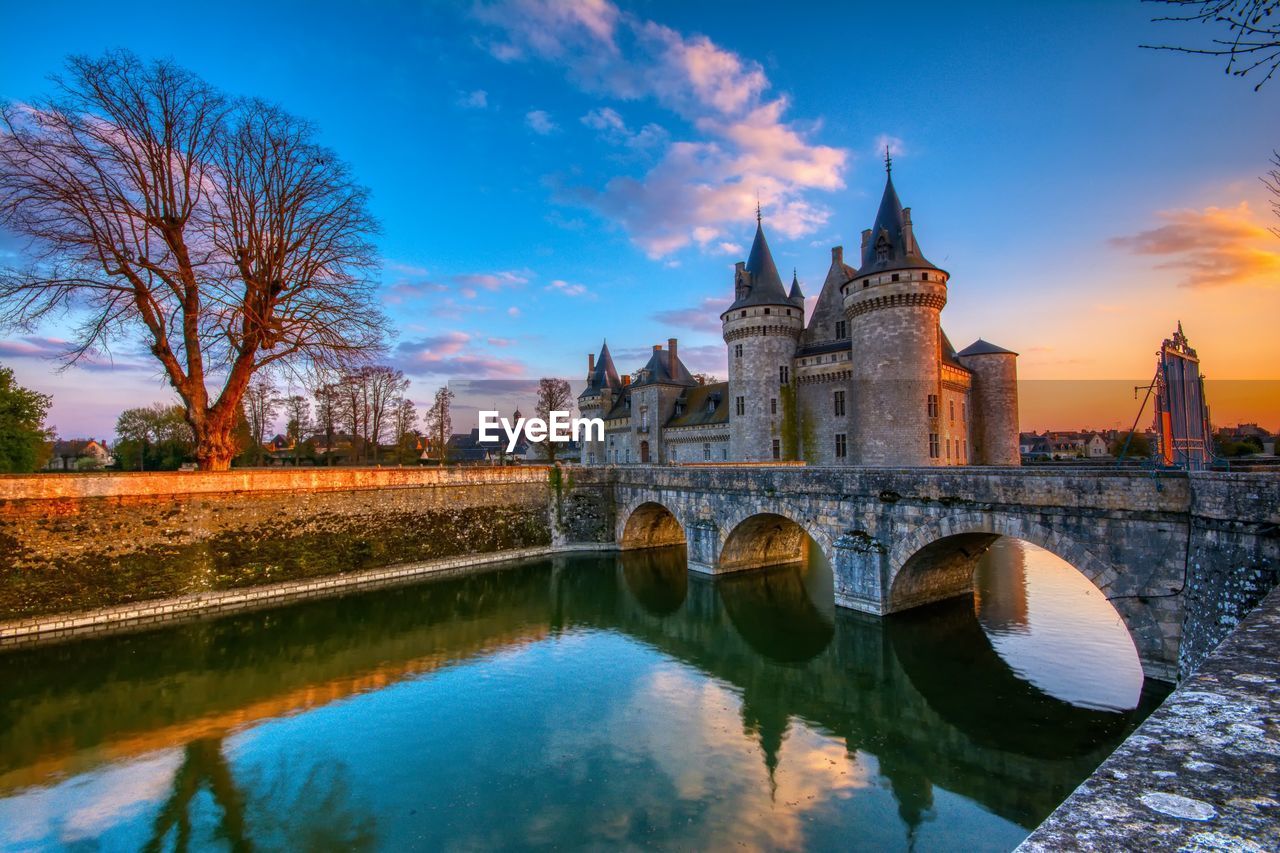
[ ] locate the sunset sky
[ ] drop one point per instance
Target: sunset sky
(549, 174)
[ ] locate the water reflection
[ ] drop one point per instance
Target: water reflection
(505, 708)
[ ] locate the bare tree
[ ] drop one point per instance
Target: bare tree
(404, 426)
(1246, 32)
(1272, 182)
(260, 408)
(217, 229)
(553, 396)
(439, 422)
(385, 386)
(297, 412)
(328, 399)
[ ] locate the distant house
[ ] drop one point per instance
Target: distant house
(81, 454)
(1096, 447)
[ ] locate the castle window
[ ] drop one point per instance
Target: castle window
(784, 374)
(934, 447)
(838, 401)
(841, 446)
(628, 454)
(737, 350)
(895, 276)
(773, 405)
(766, 310)
(673, 453)
(724, 454)
(740, 406)
(933, 405)
(777, 449)
(882, 248)
(788, 312)
(706, 452)
(964, 449)
(866, 282)
(948, 450)
(964, 412)
(952, 404)
(924, 276)
(744, 313)
(644, 419)
(842, 328)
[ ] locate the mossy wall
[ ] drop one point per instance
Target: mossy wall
(157, 536)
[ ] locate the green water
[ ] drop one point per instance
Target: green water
(582, 702)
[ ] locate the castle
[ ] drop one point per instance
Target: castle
(871, 379)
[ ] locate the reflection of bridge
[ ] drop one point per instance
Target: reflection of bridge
(898, 539)
(890, 688)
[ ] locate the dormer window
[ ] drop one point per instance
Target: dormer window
(882, 248)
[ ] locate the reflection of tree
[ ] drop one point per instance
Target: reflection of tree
(203, 764)
(314, 815)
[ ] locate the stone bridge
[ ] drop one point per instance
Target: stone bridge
(1180, 556)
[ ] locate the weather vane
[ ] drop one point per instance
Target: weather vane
(888, 161)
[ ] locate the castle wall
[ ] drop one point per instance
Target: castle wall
(768, 344)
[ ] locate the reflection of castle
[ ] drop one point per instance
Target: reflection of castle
(870, 379)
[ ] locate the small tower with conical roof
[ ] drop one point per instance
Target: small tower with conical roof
(603, 387)
(761, 328)
(993, 408)
(892, 307)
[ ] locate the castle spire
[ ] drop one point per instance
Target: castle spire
(888, 162)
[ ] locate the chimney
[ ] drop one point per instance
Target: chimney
(740, 286)
(866, 238)
(591, 363)
(837, 255)
(908, 234)
(626, 379)
(671, 357)
(657, 347)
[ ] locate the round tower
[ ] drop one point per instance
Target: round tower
(893, 306)
(993, 418)
(761, 328)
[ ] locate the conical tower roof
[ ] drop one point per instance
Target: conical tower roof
(605, 375)
(889, 247)
(796, 294)
(765, 285)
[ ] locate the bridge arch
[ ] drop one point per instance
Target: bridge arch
(772, 536)
(649, 524)
(936, 560)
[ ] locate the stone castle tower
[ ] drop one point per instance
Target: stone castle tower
(893, 307)
(761, 328)
(598, 398)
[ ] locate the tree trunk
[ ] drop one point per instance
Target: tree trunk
(215, 441)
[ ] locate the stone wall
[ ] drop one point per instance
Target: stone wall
(86, 542)
(1233, 557)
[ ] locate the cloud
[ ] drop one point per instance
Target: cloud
(893, 143)
(703, 317)
(513, 311)
(539, 121)
(612, 129)
(742, 143)
(453, 354)
(495, 280)
(34, 347)
(1214, 247)
(477, 99)
(568, 289)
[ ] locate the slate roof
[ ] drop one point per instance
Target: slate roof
(658, 371)
(604, 376)
(890, 226)
(981, 347)
(796, 295)
(949, 352)
(765, 285)
(702, 405)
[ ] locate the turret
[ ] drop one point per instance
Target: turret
(598, 398)
(993, 409)
(893, 306)
(761, 329)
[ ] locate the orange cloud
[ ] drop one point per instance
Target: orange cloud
(1214, 247)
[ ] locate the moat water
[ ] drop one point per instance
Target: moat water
(607, 701)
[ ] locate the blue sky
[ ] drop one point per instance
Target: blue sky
(549, 175)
